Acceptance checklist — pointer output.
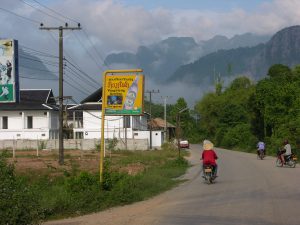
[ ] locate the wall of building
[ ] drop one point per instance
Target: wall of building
(157, 137)
(88, 144)
(14, 120)
(42, 122)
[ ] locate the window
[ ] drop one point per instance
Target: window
(4, 122)
(126, 123)
(79, 135)
(29, 122)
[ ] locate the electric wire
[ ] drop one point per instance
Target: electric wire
(35, 78)
(73, 64)
(41, 11)
(53, 39)
(87, 51)
(39, 54)
(33, 58)
(57, 13)
(91, 43)
(37, 51)
(68, 18)
(84, 90)
(70, 70)
(47, 62)
(23, 17)
(31, 68)
(93, 80)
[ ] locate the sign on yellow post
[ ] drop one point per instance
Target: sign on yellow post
(124, 94)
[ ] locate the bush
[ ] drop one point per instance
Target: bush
(18, 203)
(239, 137)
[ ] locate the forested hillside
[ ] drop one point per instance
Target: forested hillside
(246, 112)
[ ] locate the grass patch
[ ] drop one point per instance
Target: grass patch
(128, 177)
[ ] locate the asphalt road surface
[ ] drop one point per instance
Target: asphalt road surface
(248, 191)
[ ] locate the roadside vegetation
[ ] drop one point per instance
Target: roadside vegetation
(240, 115)
(28, 198)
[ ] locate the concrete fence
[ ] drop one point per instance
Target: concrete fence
(81, 144)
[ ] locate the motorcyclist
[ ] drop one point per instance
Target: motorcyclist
(209, 156)
(286, 151)
(261, 147)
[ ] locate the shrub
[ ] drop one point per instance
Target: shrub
(239, 137)
(18, 203)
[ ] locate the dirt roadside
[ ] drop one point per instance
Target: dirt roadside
(142, 213)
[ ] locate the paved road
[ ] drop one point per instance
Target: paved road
(247, 192)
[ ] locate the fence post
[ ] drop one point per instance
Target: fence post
(14, 149)
(37, 147)
(81, 149)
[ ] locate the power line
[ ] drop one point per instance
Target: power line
(57, 13)
(87, 51)
(23, 17)
(37, 51)
(74, 66)
(84, 90)
(99, 55)
(93, 80)
(41, 11)
(35, 78)
(40, 54)
(70, 70)
(31, 68)
(37, 60)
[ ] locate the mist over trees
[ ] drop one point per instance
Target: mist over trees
(244, 112)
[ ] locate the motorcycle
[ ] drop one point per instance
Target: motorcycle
(208, 174)
(290, 160)
(260, 154)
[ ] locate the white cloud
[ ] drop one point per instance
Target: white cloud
(115, 27)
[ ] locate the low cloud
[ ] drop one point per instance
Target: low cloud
(114, 27)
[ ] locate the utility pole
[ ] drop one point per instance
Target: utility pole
(150, 93)
(61, 92)
(178, 128)
(165, 117)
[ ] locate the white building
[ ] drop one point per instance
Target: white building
(120, 127)
(34, 117)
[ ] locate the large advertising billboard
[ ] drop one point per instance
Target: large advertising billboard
(9, 77)
(124, 94)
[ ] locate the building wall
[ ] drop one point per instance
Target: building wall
(113, 126)
(88, 144)
(53, 119)
(18, 125)
(157, 137)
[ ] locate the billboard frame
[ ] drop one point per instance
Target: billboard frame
(9, 71)
(105, 73)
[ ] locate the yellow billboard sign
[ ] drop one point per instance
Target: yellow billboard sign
(124, 94)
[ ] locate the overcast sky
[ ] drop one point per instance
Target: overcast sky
(123, 25)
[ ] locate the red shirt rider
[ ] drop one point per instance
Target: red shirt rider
(209, 157)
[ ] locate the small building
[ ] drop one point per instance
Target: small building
(34, 117)
(160, 124)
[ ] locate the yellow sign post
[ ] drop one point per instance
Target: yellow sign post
(122, 94)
